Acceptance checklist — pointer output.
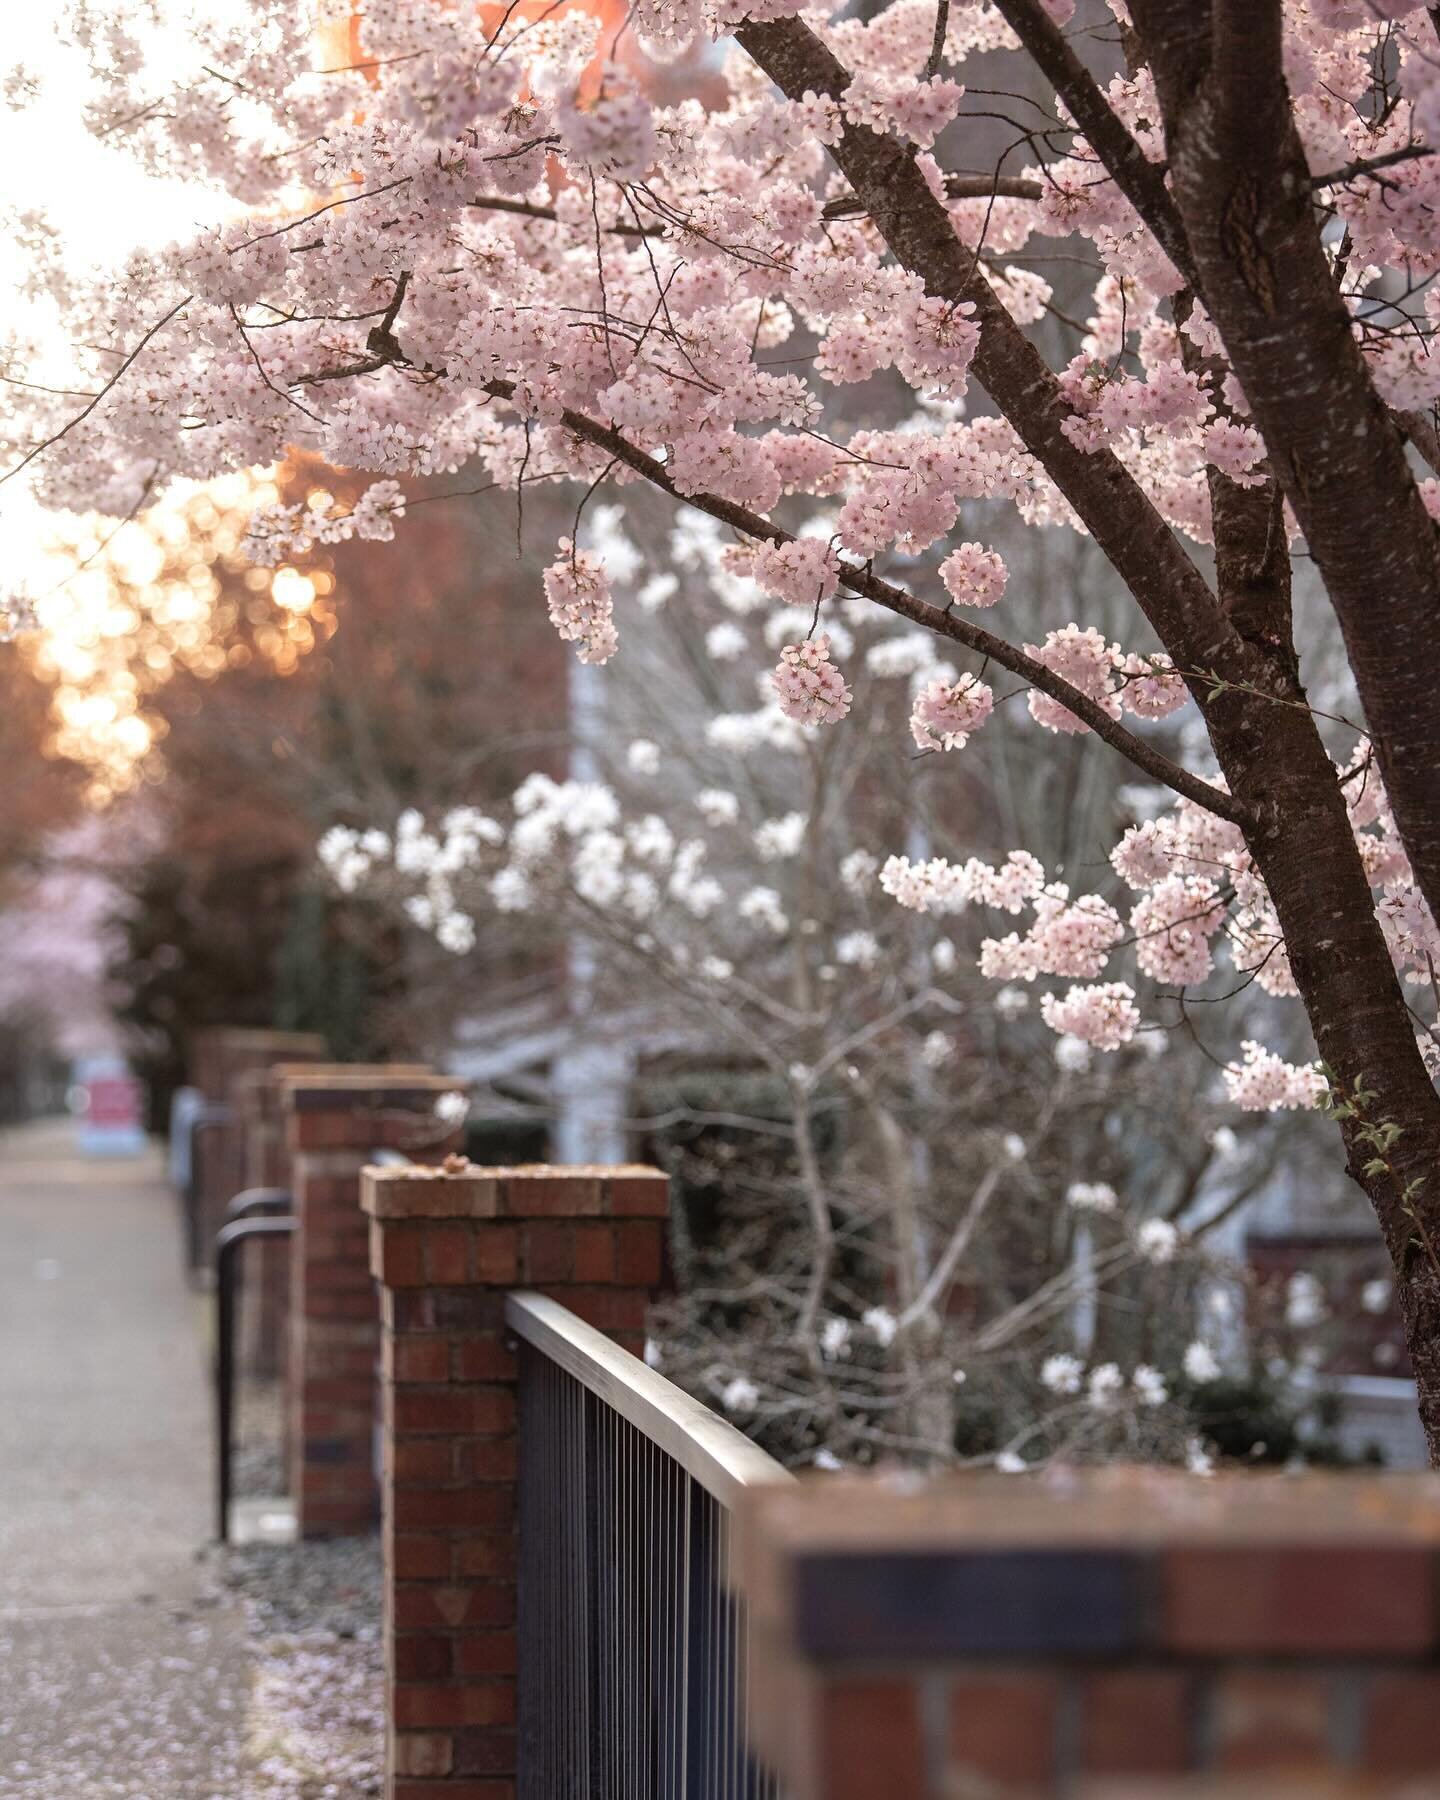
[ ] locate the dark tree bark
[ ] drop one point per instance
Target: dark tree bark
(1293, 811)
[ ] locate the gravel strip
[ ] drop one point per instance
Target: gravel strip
(316, 1723)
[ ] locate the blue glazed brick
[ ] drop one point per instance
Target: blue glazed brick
(333, 1450)
(925, 1604)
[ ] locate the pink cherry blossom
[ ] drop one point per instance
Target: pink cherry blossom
(1104, 1016)
(1088, 663)
(811, 689)
(945, 713)
(1264, 1082)
(974, 576)
(577, 590)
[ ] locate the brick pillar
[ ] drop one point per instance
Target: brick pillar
(446, 1248)
(1099, 1633)
(335, 1119)
(264, 1163)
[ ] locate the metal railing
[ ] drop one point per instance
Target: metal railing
(255, 1213)
(632, 1644)
(259, 1212)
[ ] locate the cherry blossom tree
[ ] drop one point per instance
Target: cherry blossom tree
(474, 238)
(941, 1232)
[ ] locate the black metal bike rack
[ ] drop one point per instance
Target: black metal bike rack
(257, 1213)
(251, 1201)
(253, 1213)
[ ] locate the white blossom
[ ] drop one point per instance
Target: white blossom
(1072, 1053)
(1304, 1301)
(718, 806)
(1157, 1240)
(937, 1049)
(1092, 1196)
(1062, 1373)
(739, 1395)
(643, 756)
(881, 1323)
(1375, 1295)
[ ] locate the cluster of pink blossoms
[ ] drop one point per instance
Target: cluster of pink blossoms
(1173, 926)
(804, 571)
(939, 886)
(1264, 1082)
(577, 593)
(974, 576)
(945, 713)
(1087, 662)
(811, 689)
(938, 341)
(921, 109)
(1104, 1016)
(1068, 938)
(1152, 689)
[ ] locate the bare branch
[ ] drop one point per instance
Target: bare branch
(1141, 181)
(1367, 165)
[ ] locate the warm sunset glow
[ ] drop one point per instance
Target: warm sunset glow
(125, 610)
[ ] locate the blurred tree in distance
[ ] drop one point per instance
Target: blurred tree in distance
(242, 711)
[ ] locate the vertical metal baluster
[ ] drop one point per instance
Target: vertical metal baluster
(717, 1650)
(632, 1572)
(632, 1616)
(676, 1632)
(645, 1574)
(564, 1580)
(652, 1470)
(742, 1710)
(612, 1710)
(685, 1637)
(580, 1606)
(726, 1657)
(617, 1617)
(617, 1609)
(579, 1773)
(621, 1620)
(560, 1571)
(672, 1649)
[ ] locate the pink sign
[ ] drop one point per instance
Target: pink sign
(112, 1101)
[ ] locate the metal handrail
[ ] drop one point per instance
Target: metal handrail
(229, 1241)
(633, 1642)
(258, 1212)
(250, 1201)
(710, 1449)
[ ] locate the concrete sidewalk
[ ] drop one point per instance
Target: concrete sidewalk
(119, 1675)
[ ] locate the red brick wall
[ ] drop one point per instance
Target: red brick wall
(335, 1120)
(264, 1163)
(1108, 1633)
(446, 1248)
